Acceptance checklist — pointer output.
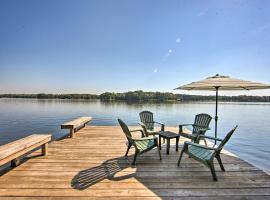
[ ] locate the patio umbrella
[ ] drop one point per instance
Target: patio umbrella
(219, 82)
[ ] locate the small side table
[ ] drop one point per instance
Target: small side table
(168, 135)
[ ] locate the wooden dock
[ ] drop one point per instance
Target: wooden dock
(92, 166)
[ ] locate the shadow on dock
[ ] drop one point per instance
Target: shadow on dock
(107, 170)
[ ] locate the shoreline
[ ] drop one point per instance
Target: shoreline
(142, 102)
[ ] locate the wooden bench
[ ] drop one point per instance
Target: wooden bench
(75, 124)
(12, 151)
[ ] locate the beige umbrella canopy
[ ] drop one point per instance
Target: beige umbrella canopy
(219, 82)
(223, 83)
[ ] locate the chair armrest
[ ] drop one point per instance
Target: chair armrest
(141, 123)
(185, 124)
(138, 130)
(201, 146)
(209, 137)
(144, 129)
(162, 125)
(181, 127)
(145, 138)
(158, 123)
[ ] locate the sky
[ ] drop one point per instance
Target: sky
(93, 46)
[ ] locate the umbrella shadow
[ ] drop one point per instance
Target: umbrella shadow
(107, 170)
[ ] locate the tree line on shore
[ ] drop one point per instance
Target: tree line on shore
(141, 96)
(51, 96)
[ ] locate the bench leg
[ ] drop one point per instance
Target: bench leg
(44, 149)
(71, 134)
(15, 162)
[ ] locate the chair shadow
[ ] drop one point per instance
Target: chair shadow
(190, 171)
(107, 170)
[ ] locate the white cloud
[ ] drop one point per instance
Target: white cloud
(178, 40)
(202, 13)
(155, 70)
(166, 56)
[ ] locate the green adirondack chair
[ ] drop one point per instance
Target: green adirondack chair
(200, 126)
(205, 154)
(148, 123)
(142, 144)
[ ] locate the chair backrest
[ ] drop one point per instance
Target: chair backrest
(125, 130)
(201, 121)
(148, 119)
(226, 139)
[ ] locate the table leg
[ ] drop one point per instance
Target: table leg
(168, 146)
(177, 142)
(159, 142)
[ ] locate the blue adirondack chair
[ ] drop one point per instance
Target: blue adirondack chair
(141, 145)
(205, 154)
(148, 123)
(199, 127)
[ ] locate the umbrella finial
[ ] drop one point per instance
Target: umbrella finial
(216, 76)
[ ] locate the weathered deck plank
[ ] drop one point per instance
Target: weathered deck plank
(91, 165)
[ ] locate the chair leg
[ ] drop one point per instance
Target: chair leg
(180, 157)
(177, 143)
(194, 142)
(135, 156)
(129, 145)
(213, 172)
(220, 162)
(159, 153)
(159, 142)
(163, 129)
(205, 142)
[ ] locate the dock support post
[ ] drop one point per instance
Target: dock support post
(15, 162)
(44, 149)
(71, 134)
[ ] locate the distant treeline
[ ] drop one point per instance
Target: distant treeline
(51, 96)
(240, 98)
(141, 96)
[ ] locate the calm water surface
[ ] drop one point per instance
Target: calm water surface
(22, 117)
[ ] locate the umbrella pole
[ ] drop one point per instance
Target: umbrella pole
(216, 117)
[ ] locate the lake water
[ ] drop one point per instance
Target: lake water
(251, 141)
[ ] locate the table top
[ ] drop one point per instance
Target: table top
(168, 134)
